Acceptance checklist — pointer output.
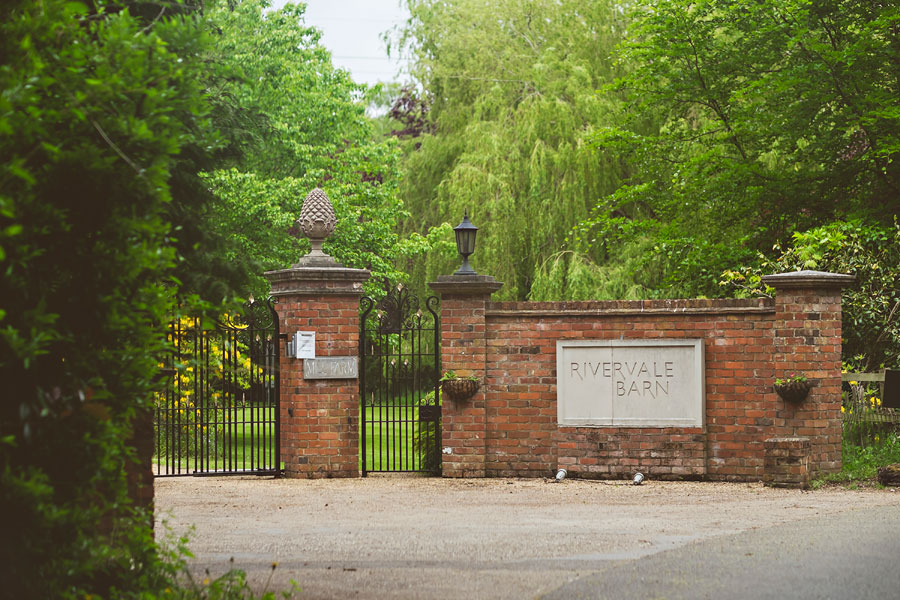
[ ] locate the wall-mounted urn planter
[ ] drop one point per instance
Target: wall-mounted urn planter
(793, 391)
(460, 389)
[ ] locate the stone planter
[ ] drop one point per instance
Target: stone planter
(795, 391)
(460, 389)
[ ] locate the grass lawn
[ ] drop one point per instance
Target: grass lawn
(390, 432)
(245, 441)
(233, 440)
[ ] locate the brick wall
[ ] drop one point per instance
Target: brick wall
(522, 434)
(510, 428)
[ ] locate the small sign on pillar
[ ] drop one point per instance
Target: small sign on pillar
(303, 345)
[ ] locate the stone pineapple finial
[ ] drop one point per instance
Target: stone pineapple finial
(317, 222)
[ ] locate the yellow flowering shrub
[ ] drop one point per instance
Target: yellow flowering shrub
(210, 369)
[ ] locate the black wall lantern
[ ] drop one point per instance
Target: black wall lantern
(465, 244)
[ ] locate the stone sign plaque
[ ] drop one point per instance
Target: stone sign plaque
(334, 367)
(630, 383)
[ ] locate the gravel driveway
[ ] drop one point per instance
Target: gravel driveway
(410, 537)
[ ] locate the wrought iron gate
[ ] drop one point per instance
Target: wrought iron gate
(219, 412)
(399, 384)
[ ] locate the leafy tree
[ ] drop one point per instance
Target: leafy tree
(871, 307)
(296, 122)
(97, 104)
(409, 111)
(510, 90)
(775, 116)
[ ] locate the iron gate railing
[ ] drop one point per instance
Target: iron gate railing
(400, 412)
(219, 413)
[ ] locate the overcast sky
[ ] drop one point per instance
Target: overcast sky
(351, 30)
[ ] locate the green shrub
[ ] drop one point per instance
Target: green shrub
(861, 463)
(101, 107)
(427, 436)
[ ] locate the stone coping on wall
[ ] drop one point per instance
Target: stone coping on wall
(631, 308)
(808, 279)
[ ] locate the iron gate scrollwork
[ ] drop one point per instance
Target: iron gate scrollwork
(219, 412)
(400, 412)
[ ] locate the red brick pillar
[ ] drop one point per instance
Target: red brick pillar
(808, 342)
(464, 299)
(319, 417)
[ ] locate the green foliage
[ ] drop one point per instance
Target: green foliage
(861, 463)
(794, 378)
(721, 157)
(869, 436)
(772, 117)
(279, 96)
(116, 195)
(95, 108)
(427, 435)
(865, 421)
(571, 275)
(512, 104)
(871, 319)
(452, 376)
(177, 582)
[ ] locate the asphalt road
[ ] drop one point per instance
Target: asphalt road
(853, 555)
(441, 539)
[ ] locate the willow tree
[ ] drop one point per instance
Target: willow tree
(511, 89)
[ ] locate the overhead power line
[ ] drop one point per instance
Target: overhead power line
(370, 57)
(351, 19)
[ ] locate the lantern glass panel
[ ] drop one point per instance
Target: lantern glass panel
(465, 241)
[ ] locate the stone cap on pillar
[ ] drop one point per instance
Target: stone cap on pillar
(465, 285)
(808, 279)
(317, 274)
(318, 281)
